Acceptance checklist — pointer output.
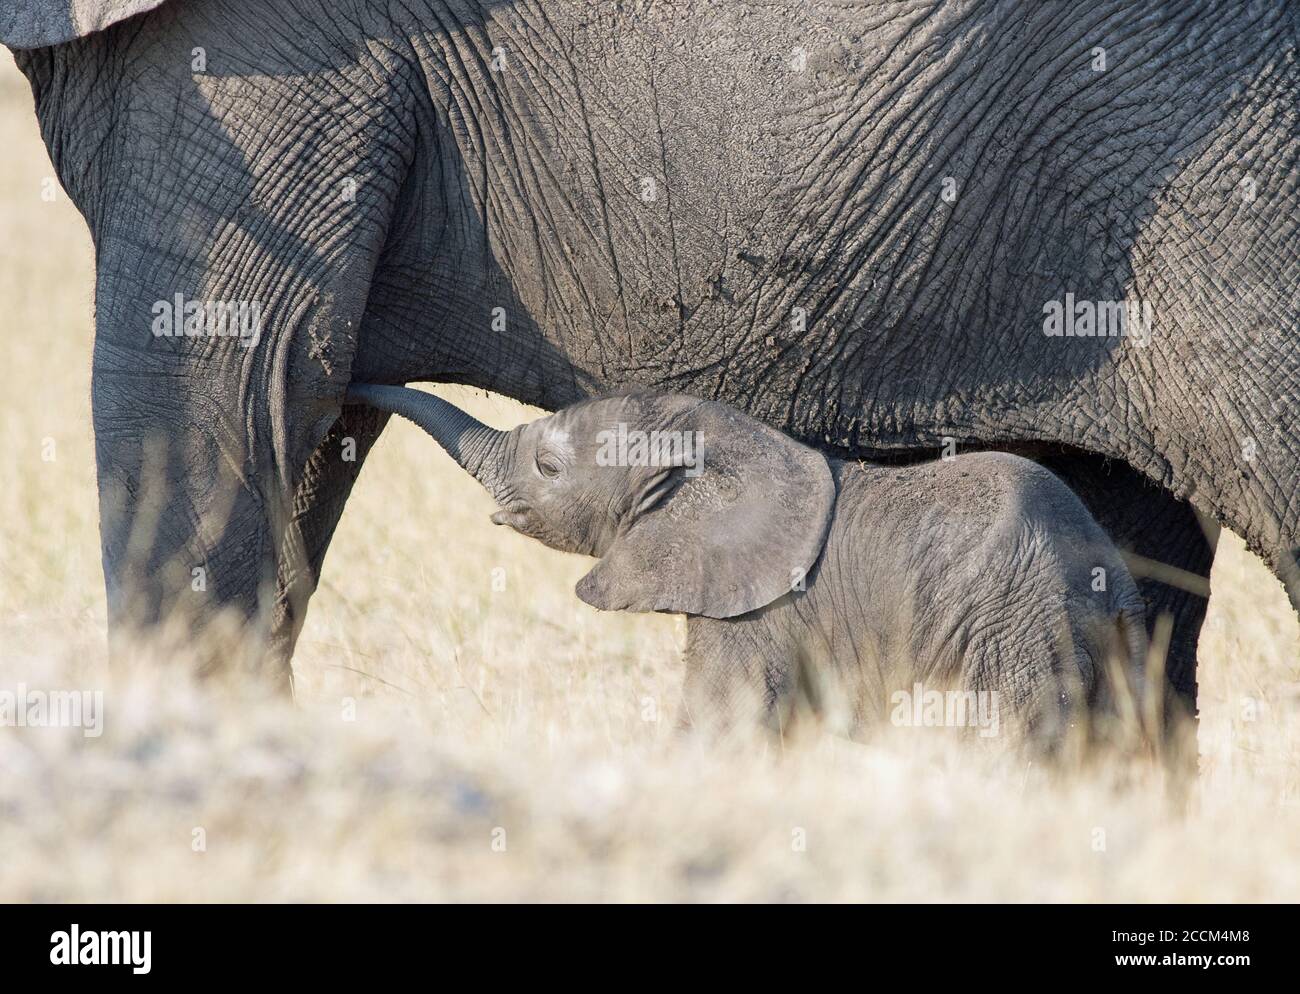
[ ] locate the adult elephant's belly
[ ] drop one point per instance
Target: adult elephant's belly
(875, 228)
(870, 238)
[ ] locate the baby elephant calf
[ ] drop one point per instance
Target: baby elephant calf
(874, 592)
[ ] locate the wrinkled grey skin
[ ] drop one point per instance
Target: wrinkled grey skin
(849, 582)
(670, 195)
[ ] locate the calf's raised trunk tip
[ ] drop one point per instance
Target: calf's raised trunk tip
(477, 448)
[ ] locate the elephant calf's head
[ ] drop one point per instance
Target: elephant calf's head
(691, 506)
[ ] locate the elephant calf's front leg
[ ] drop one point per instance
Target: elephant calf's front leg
(736, 679)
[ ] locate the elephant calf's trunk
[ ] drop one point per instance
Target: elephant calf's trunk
(480, 450)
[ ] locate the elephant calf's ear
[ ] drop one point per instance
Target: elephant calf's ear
(729, 540)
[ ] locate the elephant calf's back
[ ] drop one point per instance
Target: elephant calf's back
(984, 573)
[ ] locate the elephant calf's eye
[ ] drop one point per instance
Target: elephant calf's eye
(547, 467)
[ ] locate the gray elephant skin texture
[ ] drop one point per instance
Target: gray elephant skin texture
(850, 582)
(874, 227)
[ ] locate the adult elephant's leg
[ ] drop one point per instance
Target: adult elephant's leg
(317, 506)
(1169, 548)
(213, 198)
(220, 479)
(1216, 393)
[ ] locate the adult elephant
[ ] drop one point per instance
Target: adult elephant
(876, 226)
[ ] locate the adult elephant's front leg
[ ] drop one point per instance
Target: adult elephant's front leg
(317, 506)
(187, 530)
(237, 229)
(220, 477)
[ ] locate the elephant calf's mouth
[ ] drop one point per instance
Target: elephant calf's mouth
(515, 515)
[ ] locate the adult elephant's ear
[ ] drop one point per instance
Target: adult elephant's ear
(37, 23)
(744, 518)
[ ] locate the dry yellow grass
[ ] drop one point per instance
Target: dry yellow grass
(438, 719)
